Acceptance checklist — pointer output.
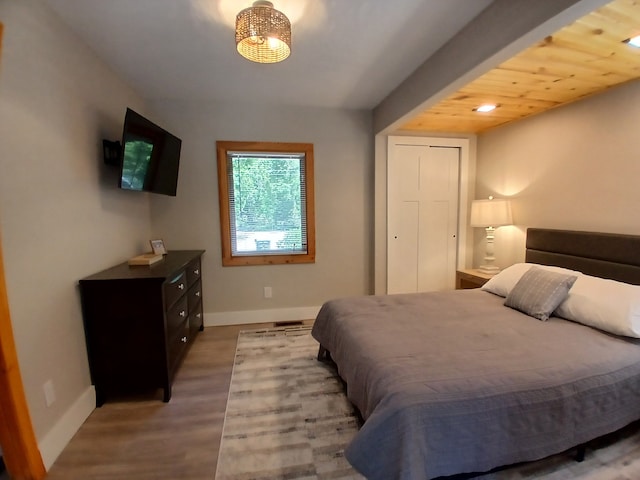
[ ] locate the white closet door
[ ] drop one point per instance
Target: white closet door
(422, 209)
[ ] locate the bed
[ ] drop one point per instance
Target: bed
(456, 382)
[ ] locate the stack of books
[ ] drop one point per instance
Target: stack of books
(145, 259)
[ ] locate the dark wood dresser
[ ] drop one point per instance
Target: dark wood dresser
(139, 322)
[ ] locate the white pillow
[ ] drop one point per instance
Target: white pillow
(503, 282)
(604, 304)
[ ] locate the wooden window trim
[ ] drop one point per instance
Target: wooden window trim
(228, 259)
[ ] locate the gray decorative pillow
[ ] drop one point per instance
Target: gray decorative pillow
(539, 292)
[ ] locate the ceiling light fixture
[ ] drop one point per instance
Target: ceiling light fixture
(633, 41)
(485, 108)
(263, 34)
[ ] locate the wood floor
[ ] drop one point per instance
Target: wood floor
(145, 439)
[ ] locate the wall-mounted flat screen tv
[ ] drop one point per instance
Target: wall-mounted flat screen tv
(150, 156)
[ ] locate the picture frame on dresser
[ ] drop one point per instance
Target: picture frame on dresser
(157, 246)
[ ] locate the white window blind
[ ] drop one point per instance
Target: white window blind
(267, 203)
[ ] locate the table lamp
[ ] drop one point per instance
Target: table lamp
(490, 214)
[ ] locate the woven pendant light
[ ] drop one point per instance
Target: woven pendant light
(263, 34)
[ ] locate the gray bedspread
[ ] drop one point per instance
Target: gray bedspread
(453, 382)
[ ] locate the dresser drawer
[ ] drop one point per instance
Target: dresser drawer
(196, 319)
(177, 315)
(193, 272)
(178, 343)
(174, 289)
(194, 295)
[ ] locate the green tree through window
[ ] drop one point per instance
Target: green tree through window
(265, 206)
(137, 155)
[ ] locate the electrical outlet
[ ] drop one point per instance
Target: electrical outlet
(268, 293)
(49, 392)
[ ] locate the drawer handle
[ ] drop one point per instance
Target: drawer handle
(197, 294)
(198, 315)
(183, 339)
(181, 286)
(182, 313)
(196, 272)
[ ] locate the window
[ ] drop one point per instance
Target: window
(266, 203)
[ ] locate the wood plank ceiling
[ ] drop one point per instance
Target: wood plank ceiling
(584, 58)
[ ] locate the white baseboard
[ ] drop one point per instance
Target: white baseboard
(260, 316)
(59, 436)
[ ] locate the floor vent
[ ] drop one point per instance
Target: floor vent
(290, 323)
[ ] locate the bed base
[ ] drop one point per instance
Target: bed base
(323, 354)
(580, 453)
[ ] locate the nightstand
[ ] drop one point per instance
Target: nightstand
(470, 278)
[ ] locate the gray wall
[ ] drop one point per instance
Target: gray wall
(63, 218)
(61, 215)
(575, 167)
(343, 154)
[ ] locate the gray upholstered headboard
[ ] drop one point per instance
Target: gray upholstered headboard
(604, 255)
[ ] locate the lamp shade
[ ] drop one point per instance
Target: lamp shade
(492, 212)
(263, 34)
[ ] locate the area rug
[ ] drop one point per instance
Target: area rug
(288, 418)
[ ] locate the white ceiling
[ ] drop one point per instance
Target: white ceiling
(345, 53)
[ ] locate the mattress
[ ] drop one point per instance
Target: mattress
(454, 382)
